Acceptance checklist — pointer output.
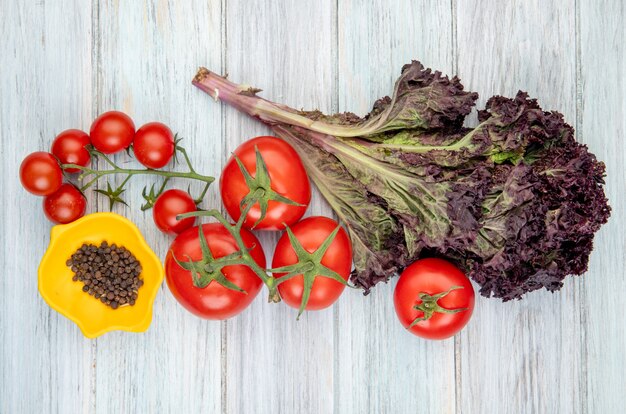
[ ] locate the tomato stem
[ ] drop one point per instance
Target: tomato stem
(209, 269)
(260, 188)
(114, 195)
(243, 255)
(309, 265)
(429, 305)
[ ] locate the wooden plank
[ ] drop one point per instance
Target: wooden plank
(380, 368)
(603, 126)
(548, 353)
(275, 363)
(525, 356)
(148, 52)
(45, 88)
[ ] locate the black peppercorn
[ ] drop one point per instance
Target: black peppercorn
(109, 273)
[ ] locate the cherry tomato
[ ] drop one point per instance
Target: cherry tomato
(287, 178)
(64, 205)
(112, 132)
(69, 148)
(213, 301)
(442, 292)
(311, 233)
(170, 204)
(154, 145)
(40, 173)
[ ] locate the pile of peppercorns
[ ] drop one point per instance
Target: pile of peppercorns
(109, 273)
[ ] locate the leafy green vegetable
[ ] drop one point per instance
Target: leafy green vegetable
(515, 201)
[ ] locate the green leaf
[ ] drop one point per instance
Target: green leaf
(113, 195)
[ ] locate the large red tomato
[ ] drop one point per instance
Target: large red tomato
(286, 177)
(112, 132)
(311, 233)
(213, 301)
(437, 292)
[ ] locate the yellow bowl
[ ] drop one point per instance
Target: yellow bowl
(66, 296)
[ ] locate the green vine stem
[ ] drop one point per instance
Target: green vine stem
(93, 175)
(245, 257)
(309, 265)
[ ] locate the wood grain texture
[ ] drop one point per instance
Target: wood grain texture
(45, 87)
(381, 368)
(275, 363)
(532, 349)
(602, 127)
(146, 53)
(68, 60)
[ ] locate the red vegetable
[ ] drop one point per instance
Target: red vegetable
(205, 285)
(112, 132)
(69, 148)
(433, 299)
(64, 205)
(40, 173)
(267, 172)
(312, 263)
(153, 145)
(170, 204)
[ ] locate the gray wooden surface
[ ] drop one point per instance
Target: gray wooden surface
(65, 61)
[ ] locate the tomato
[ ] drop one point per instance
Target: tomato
(69, 148)
(170, 204)
(311, 233)
(213, 301)
(439, 288)
(112, 132)
(64, 205)
(285, 180)
(40, 173)
(153, 145)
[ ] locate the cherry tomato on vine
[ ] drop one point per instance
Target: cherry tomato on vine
(112, 132)
(435, 297)
(207, 295)
(153, 145)
(170, 204)
(64, 205)
(310, 234)
(40, 173)
(272, 177)
(69, 148)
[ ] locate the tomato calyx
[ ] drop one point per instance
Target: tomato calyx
(114, 196)
(260, 187)
(430, 305)
(309, 265)
(150, 196)
(209, 269)
(241, 257)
